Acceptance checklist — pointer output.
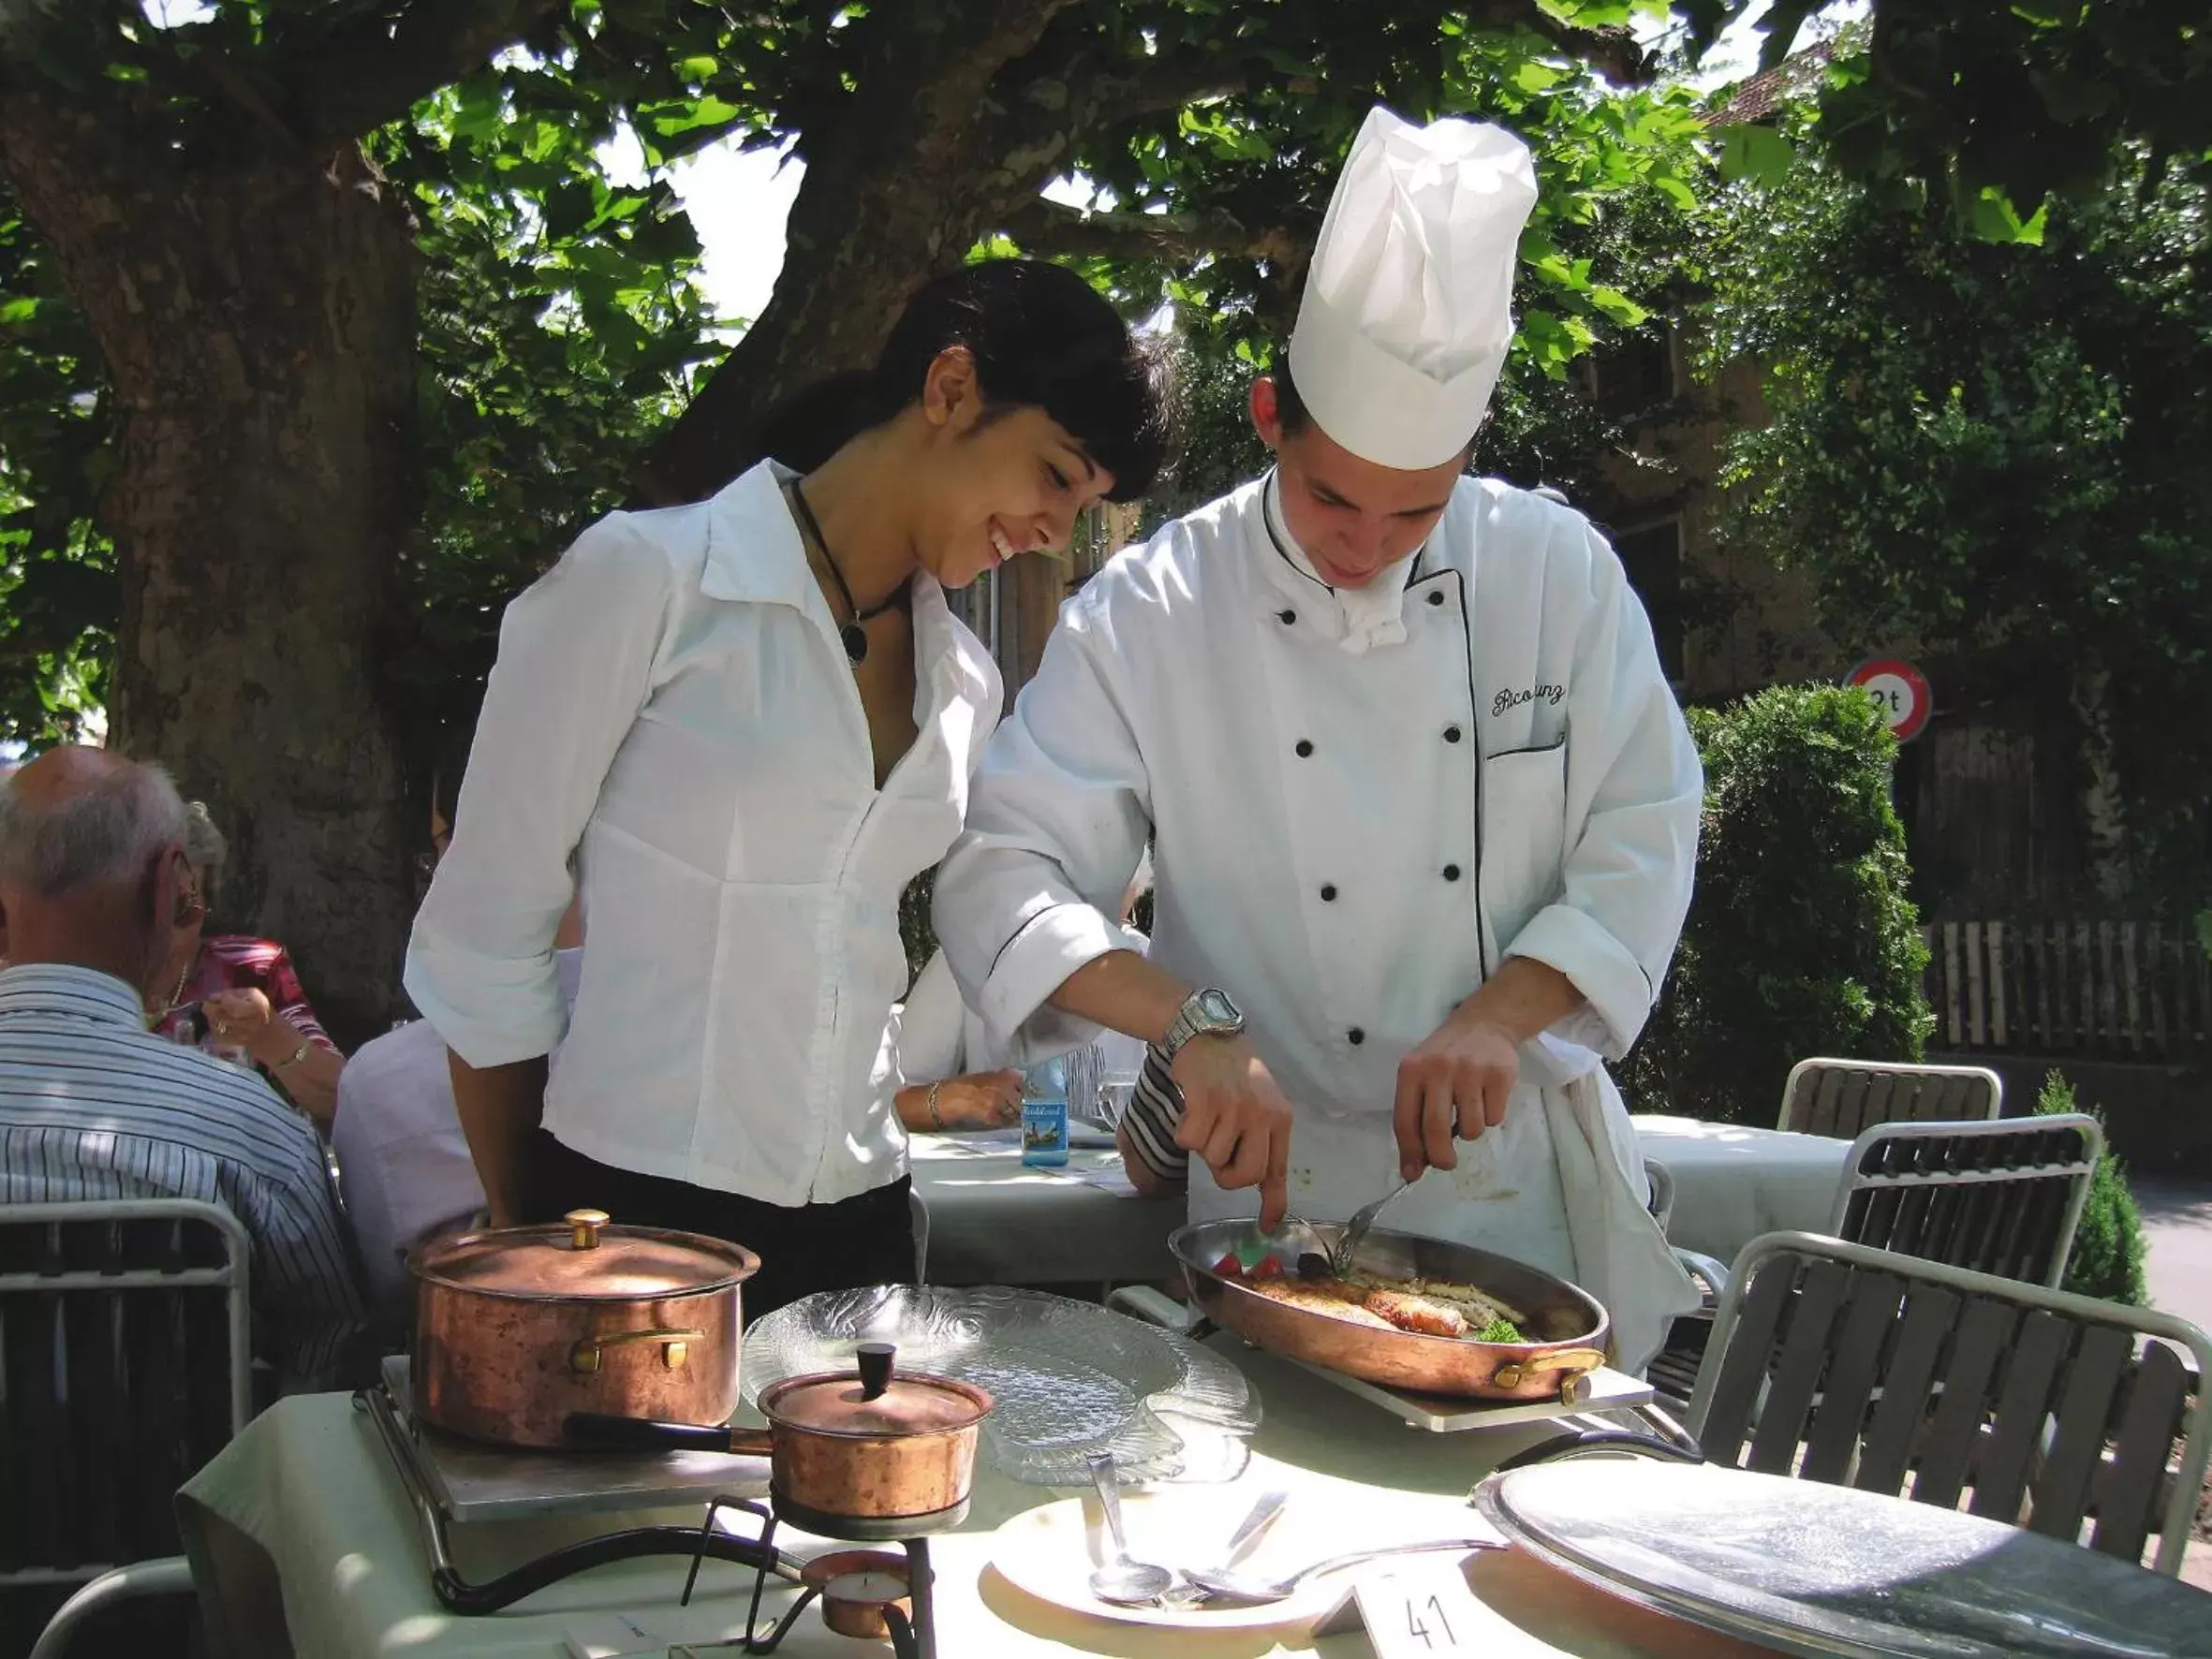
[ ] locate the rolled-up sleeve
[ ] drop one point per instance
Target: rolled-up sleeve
(1635, 793)
(577, 655)
(1059, 816)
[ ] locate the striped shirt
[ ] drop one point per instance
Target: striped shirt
(1148, 1126)
(93, 1106)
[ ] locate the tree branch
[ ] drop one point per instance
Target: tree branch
(1611, 51)
(363, 74)
(1043, 226)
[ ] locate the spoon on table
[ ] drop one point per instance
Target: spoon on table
(1229, 1587)
(1189, 1593)
(1121, 1580)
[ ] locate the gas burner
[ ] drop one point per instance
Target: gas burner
(866, 1594)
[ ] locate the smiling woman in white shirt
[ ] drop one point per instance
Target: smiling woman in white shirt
(738, 729)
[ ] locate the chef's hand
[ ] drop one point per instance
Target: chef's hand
(1455, 1085)
(1236, 1120)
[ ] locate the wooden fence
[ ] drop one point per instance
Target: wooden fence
(2123, 990)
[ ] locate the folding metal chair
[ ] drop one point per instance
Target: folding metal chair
(2077, 1418)
(125, 1365)
(2000, 1198)
(1842, 1098)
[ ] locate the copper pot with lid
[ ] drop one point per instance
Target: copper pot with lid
(846, 1448)
(518, 1328)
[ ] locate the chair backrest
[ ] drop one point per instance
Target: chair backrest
(1857, 1366)
(1842, 1098)
(125, 1365)
(1998, 1197)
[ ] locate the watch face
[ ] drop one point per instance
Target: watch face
(1218, 1008)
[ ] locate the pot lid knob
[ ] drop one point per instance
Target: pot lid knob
(585, 1224)
(875, 1367)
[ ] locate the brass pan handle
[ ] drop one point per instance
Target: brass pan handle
(584, 1357)
(584, 1227)
(1574, 1361)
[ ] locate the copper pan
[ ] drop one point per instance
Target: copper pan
(517, 1328)
(872, 1443)
(1571, 1329)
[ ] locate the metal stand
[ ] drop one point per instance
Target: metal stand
(459, 1595)
(910, 1638)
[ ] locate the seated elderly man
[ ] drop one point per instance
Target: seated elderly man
(97, 889)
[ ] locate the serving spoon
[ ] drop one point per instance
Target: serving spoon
(1123, 1581)
(1348, 1241)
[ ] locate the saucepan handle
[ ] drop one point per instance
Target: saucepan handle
(602, 1431)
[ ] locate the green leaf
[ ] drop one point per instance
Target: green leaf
(1618, 308)
(704, 111)
(1994, 218)
(1751, 152)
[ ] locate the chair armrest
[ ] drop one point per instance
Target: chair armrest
(1154, 1307)
(1706, 1269)
(171, 1575)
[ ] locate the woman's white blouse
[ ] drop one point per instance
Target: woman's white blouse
(672, 728)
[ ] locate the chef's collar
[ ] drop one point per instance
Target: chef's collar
(1360, 617)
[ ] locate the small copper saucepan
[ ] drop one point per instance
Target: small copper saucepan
(518, 1328)
(864, 1445)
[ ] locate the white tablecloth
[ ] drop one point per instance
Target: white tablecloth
(1732, 1182)
(995, 1221)
(311, 1490)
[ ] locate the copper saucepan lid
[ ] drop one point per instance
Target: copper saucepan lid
(585, 1258)
(875, 1404)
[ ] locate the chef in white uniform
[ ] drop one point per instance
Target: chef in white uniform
(1424, 809)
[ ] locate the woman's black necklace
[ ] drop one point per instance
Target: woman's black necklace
(853, 633)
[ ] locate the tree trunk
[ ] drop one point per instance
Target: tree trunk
(933, 147)
(256, 314)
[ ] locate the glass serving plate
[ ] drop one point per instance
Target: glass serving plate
(1068, 1378)
(1834, 1573)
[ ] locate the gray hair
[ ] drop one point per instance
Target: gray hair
(104, 832)
(204, 850)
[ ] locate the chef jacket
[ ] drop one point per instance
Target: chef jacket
(1363, 803)
(674, 714)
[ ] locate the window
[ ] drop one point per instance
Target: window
(1653, 559)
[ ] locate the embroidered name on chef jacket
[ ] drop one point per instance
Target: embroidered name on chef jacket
(1550, 695)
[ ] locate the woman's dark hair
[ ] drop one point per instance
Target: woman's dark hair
(1041, 337)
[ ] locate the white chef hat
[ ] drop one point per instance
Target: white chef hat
(1409, 301)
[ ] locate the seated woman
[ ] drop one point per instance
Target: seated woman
(239, 998)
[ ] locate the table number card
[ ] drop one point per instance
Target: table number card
(1422, 1609)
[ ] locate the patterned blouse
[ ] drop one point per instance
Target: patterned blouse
(236, 961)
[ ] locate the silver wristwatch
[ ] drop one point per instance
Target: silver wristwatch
(1204, 1013)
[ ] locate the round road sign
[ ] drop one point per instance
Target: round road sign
(1900, 690)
